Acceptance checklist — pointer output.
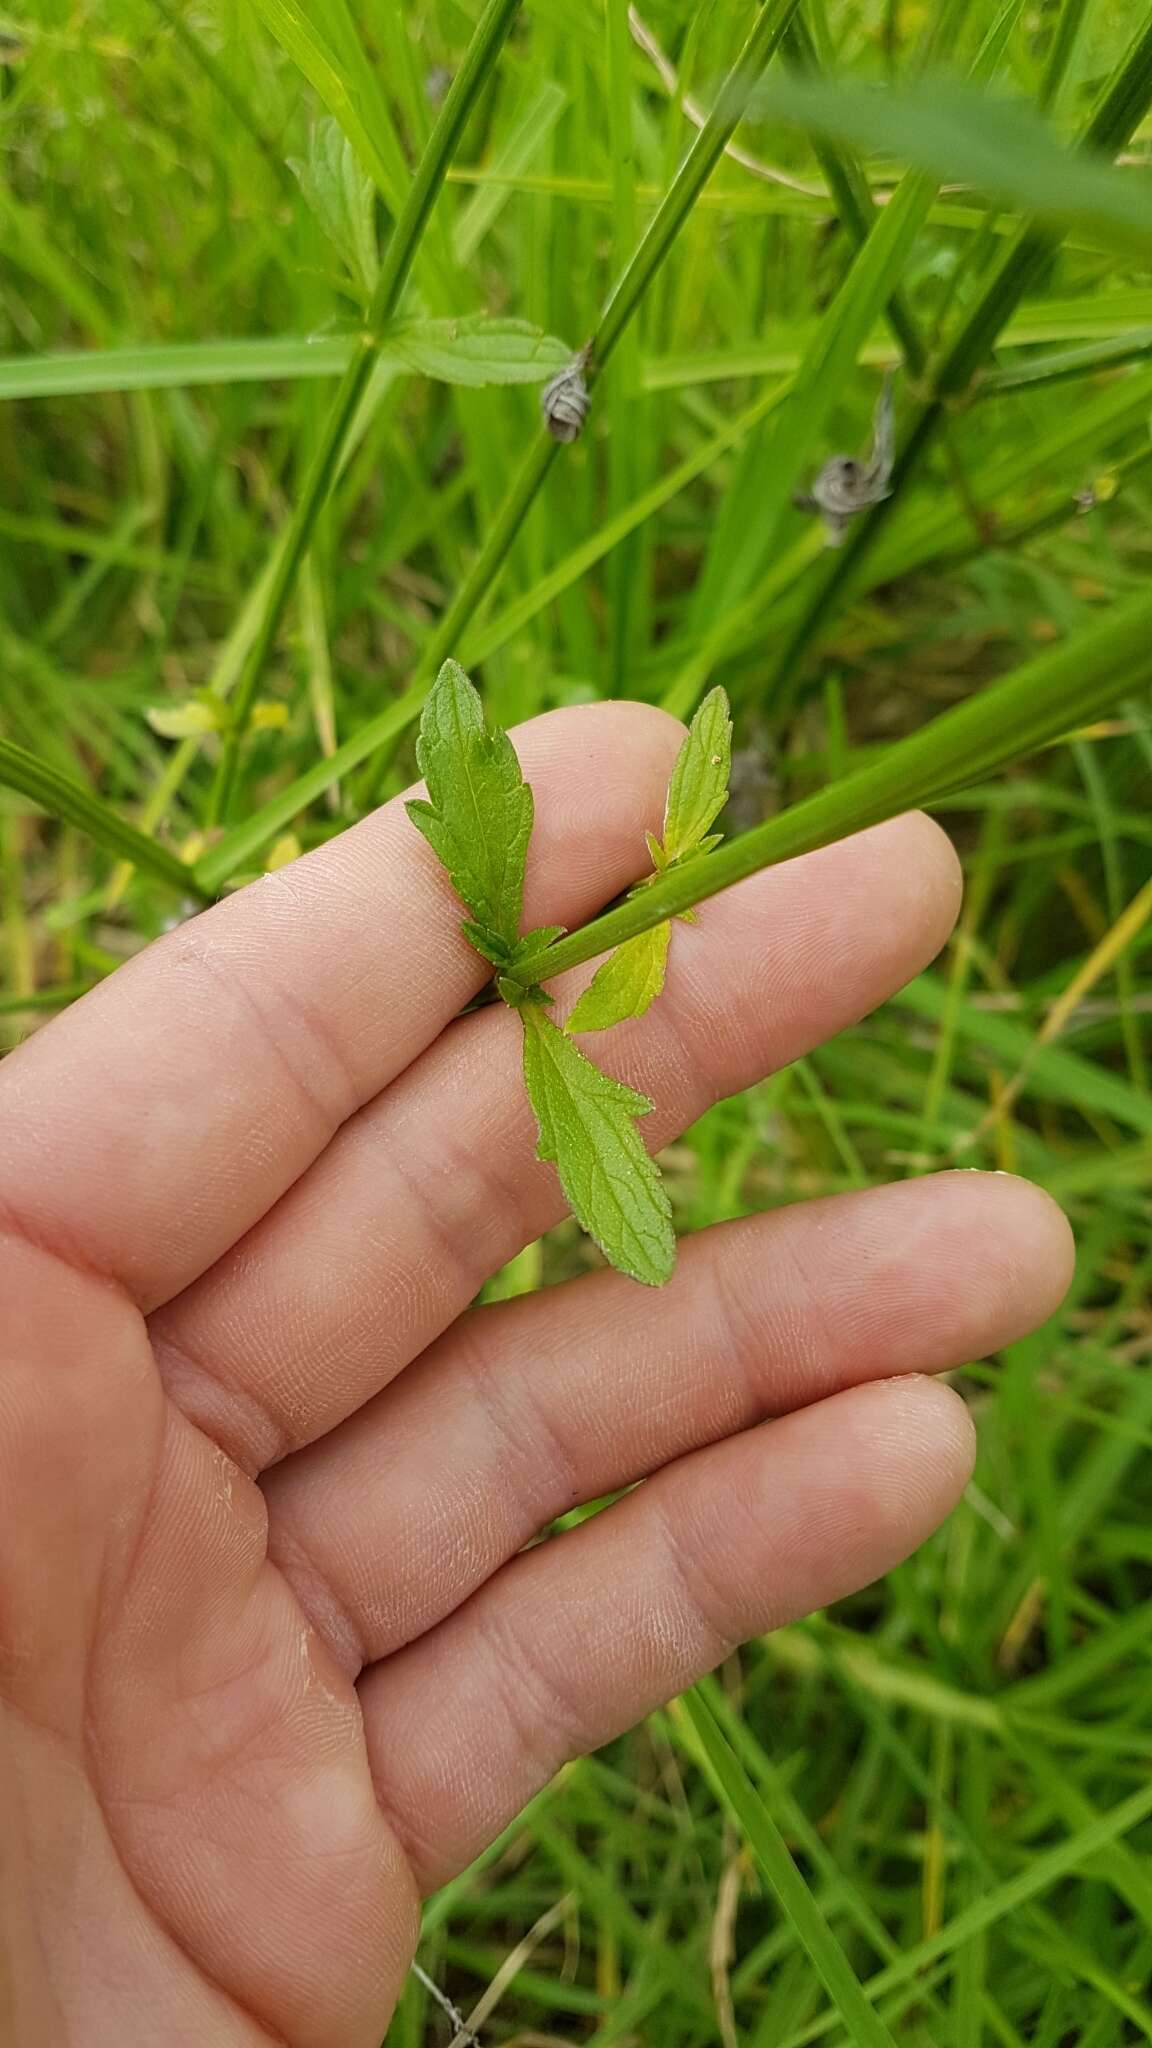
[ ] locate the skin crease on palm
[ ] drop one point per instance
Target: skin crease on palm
(274, 1656)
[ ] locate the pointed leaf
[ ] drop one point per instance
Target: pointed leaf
(626, 985)
(476, 349)
(698, 790)
(343, 199)
(538, 941)
(478, 816)
(587, 1129)
(489, 943)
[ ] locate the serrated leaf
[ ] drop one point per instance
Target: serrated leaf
(627, 983)
(698, 790)
(477, 349)
(342, 198)
(535, 942)
(489, 943)
(587, 1129)
(478, 816)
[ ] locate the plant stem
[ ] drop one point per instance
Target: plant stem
(1061, 50)
(620, 307)
(1053, 366)
(403, 243)
(1029, 708)
(64, 798)
(852, 195)
(694, 173)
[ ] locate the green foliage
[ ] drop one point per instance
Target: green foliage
(478, 812)
(626, 985)
(1000, 146)
(950, 1757)
(478, 819)
(343, 199)
(587, 1125)
(631, 978)
(476, 350)
(698, 790)
(771, 1851)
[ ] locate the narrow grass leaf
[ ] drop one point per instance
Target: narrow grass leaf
(512, 156)
(951, 131)
(327, 71)
(68, 801)
(340, 427)
(739, 1795)
(75, 373)
(1037, 703)
(587, 1129)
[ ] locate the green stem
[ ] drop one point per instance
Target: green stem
(1122, 106)
(403, 243)
(690, 180)
(852, 197)
(1053, 366)
(1065, 37)
(621, 306)
(64, 798)
(1030, 708)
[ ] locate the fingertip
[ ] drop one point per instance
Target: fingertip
(931, 1423)
(1030, 1250)
(605, 769)
(618, 728)
(926, 877)
(910, 1445)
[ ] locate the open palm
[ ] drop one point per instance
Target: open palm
(274, 1655)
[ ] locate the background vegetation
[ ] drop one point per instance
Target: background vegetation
(958, 1760)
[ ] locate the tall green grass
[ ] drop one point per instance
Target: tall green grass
(923, 1818)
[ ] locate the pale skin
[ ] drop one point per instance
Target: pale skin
(274, 1659)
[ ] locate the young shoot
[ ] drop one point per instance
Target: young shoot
(477, 817)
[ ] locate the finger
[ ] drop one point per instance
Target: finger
(522, 1411)
(436, 1183)
(148, 1127)
(578, 1638)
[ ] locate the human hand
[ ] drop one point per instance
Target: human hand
(271, 1660)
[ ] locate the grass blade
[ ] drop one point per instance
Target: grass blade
(483, 50)
(738, 1794)
(621, 306)
(1120, 109)
(346, 84)
(69, 801)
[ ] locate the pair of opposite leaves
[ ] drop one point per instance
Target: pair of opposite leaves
(478, 818)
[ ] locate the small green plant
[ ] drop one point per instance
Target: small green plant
(478, 818)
